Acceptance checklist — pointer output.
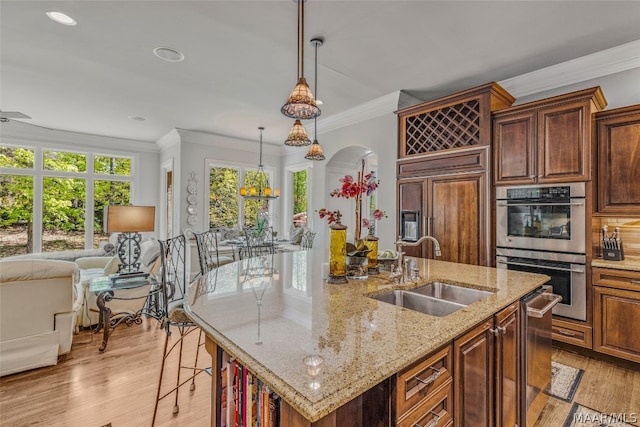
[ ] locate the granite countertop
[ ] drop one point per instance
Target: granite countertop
(271, 312)
(628, 263)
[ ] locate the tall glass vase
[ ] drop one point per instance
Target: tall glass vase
(338, 252)
(371, 242)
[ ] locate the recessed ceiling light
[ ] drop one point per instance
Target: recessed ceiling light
(137, 118)
(168, 54)
(61, 18)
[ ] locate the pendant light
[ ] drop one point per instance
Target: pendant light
(297, 135)
(301, 104)
(259, 186)
(315, 151)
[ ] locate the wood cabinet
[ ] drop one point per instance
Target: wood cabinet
(424, 391)
(572, 332)
(454, 204)
(618, 133)
(547, 141)
(487, 380)
(460, 120)
(617, 310)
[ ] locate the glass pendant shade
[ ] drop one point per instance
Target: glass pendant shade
(297, 136)
(315, 151)
(301, 104)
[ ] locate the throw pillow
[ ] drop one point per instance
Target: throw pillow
(112, 266)
(149, 252)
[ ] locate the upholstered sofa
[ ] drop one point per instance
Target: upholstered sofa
(38, 304)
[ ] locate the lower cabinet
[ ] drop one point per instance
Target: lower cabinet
(487, 381)
(616, 313)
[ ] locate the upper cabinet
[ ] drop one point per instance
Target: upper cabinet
(456, 121)
(547, 141)
(619, 161)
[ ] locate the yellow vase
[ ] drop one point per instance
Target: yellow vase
(371, 242)
(338, 252)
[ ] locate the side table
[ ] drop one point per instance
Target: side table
(108, 290)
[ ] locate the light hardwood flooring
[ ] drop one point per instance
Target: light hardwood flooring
(89, 389)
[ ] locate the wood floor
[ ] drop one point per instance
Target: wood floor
(89, 389)
(605, 387)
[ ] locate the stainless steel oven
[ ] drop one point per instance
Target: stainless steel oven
(542, 217)
(567, 272)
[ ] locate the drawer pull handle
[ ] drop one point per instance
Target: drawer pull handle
(566, 333)
(635, 282)
(495, 332)
(431, 378)
(432, 423)
(502, 329)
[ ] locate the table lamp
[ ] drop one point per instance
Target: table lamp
(129, 221)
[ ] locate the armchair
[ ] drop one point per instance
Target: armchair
(36, 339)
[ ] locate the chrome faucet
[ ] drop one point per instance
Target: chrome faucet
(407, 274)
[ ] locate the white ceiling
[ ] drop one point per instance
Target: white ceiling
(240, 57)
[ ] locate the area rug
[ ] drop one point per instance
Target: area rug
(564, 381)
(581, 416)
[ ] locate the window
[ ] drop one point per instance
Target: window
(53, 187)
(223, 197)
(226, 207)
(299, 198)
(16, 215)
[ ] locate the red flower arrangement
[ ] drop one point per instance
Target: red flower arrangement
(352, 188)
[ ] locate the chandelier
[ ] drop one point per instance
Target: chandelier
(259, 186)
(315, 151)
(301, 104)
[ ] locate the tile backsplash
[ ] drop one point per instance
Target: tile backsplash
(629, 233)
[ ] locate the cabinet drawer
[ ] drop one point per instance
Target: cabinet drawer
(619, 279)
(434, 411)
(417, 382)
(572, 333)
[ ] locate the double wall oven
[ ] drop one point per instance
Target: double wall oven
(541, 229)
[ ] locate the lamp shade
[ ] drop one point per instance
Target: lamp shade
(315, 151)
(301, 104)
(129, 219)
(297, 136)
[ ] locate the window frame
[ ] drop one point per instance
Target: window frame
(39, 173)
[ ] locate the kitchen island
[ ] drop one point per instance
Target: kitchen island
(270, 313)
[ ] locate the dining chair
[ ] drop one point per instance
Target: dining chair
(174, 282)
(307, 239)
(258, 241)
(208, 253)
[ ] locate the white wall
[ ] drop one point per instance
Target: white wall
(198, 148)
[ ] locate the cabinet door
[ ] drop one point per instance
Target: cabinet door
(514, 148)
(456, 217)
(619, 164)
(473, 377)
(616, 329)
(507, 372)
(564, 137)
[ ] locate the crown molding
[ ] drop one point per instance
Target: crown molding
(369, 110)
(15, 132)
(224, 142)
(609, 61)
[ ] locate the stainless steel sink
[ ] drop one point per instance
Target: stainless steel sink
(437, 298)
(453, 293)
(422, 303)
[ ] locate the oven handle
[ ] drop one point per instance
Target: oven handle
(540, 312)
(530, 203)
(571, 270)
